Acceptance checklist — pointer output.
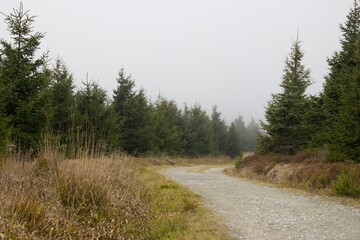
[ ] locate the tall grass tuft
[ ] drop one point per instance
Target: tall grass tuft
(348, 183)
(81, 193)
(72, 199)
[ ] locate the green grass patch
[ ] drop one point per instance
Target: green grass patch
(348, 183)
(178, 213)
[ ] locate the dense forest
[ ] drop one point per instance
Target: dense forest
(330, 120)
(39, 103)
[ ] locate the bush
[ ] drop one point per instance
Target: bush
(347, 183)
(239, 160)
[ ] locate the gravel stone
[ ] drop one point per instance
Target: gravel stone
(253, 211)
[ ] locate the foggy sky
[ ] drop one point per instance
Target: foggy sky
(228, 53)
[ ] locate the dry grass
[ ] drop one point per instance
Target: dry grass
(157, 161)
(306, 170)
(81, 199)
(104, 198)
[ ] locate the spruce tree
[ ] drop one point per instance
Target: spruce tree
(134, 117)
(3, 121)
(286, 131)
(241, 130)
(62, 102)
(25, 79)
(315, 121)
(123, 97)
(198, 135)
(252, 134)
(139, 126)
(219, 132)
(91, 103)
(168, 127)
(233, 149)
(341, 93)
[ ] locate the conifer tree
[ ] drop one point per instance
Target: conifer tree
(3, 121)
(241, 130)
(139, 126)
(233, 147)
(62, 101)
(286, 131)
(219, 132)
(198, 136)
(315, 121)
(252, 134)
(122, 103)
(168, 127)
(341, 93)
(91, 103)
(24, 78)
(134, 117)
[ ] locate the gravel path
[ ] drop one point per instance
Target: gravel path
(253, 211)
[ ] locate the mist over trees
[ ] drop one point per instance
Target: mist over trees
(39, 103)
(330, 120)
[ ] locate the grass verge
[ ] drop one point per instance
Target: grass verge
(307, 170)
(178, 213)
(104, 198)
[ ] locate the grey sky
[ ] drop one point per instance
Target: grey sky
(212, 52)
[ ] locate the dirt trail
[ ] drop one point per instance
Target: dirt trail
(253, 211)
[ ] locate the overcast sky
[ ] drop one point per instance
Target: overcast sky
(228, 53)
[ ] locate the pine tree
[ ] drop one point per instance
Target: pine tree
(219, 131)
(241, 130)
(91, 103)
(285, 129)
(252, 134)
(233, 147)
(139, 126)
(198, 136)
(122, 103)
(62, 102)
(25, 79)
(134, 117)
(3, 121)
(315, 121)
(168, 127)
(341, 93)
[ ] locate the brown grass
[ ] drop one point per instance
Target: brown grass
(209, 160)
(306, 170)
(82, 199)
(103, 198)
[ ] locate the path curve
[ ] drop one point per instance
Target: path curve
(253, 211)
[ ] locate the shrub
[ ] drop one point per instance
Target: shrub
(239, 160)
(347, 183)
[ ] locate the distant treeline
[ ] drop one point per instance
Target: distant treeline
(38, 103)
(330, 120)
